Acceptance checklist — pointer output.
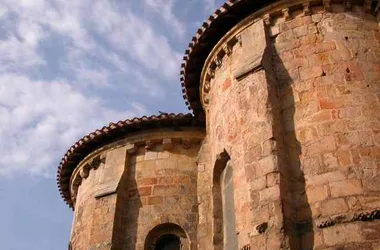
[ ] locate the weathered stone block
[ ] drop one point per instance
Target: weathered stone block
(334, 206)
(165, 190)
(147, 181)
(311, 72)
(155, 200)
(324, 178)
(269, 194)
(317, 193)
(258, 183)
(267, 165)
(346, 188)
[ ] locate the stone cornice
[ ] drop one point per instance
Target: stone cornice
(351, 217)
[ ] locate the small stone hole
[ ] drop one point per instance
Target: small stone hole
(348, 70)
(323, 73)
(346, 37)
(262, 227)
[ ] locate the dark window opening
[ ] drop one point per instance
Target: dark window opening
(168, 242)
(167, 236)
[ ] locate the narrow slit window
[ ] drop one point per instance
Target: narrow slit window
(228, 206)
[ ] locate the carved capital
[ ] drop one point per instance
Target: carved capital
(207, 87)
(227, 49)
(77, 180)
(84, 172)
(218, 61)
(286, 14)
(211, 73)
(267, 19)
(97, 161)
(306, 9)
(239, 39)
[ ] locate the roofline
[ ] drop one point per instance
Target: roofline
(207, 36)
(224, 19)
(109, 134)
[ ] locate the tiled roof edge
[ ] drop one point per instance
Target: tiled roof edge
(111, 133)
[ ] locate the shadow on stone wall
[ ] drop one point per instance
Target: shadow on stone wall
(298, 228)
(128, 206)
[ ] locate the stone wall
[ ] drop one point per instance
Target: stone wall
(292, 102)
(124, 190)
(293, 98)
(242, 121)
(327, 66)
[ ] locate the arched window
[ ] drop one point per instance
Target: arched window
(224, 206)
(227, 186)
(167, 236)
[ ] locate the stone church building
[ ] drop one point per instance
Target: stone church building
(281, 150)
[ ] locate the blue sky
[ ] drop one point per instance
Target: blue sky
(66, 69)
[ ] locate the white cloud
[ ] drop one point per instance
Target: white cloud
(30, 33)
(40, 119)
(165, 8)
(135, 36)
(92, 76)
(3, 10)
(119, 63)
(18, 55)
(125, 31)
(90, 43)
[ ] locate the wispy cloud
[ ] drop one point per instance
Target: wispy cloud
(40, 119)
(123, 30)
(138, 39)
(165, 9)
(17, 55)
(95, 46)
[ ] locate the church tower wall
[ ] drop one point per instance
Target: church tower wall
(291, 94)
(289, 91)
(129, 193)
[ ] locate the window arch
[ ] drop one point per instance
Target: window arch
(167, 236)
(223, 204)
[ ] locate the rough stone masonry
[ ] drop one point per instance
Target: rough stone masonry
(282, 150)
